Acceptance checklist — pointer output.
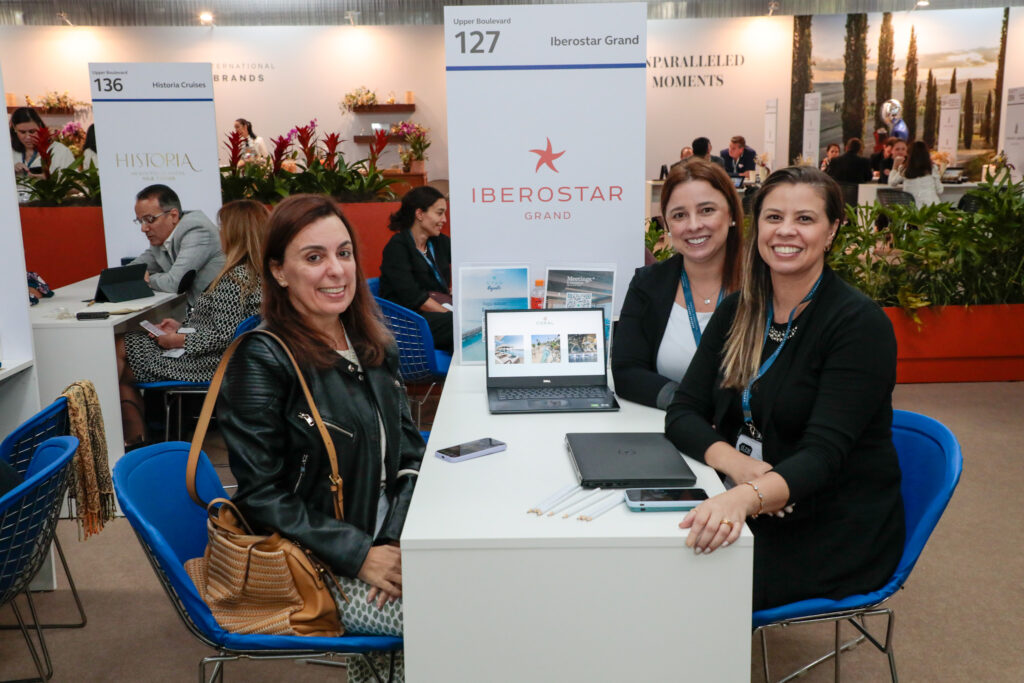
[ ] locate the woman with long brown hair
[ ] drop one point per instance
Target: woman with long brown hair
(790, 397)
(232, 296)
(316, 300)
(918, 175)
(668, 304)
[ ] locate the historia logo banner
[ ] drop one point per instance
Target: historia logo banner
(155, 123)
(546, 121)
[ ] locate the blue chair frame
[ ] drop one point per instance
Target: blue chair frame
(930, 463)
(28, 522)
(174, 389)
(18, 449)
(150, 486)
(374, 284)
(420, 361)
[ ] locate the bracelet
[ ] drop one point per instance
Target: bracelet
(760, 498)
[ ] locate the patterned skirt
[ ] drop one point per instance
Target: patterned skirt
(150, 365)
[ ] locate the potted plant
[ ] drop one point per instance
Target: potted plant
(415, 135)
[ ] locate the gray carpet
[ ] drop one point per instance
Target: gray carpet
(958, 618)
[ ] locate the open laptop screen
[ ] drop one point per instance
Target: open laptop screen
(547, 346)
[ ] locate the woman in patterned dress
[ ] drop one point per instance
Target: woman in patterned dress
(233, 296)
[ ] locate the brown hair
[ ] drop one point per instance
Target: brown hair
(738, 140)
(243, 228)
(742, 352)
(369, 337)
(716, 177)
(919, 161)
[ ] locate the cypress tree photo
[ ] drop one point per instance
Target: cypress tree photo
(968, 115)
(910, 87)
(802, 82)
(855, 75)
(986, 121)
(883, 77)
(930, 111)
(1000, 72)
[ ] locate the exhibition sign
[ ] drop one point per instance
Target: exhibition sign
(771, 126)
(155, 123)
(1014, 131)
(949, 124)
(812, 127)
(546, 115)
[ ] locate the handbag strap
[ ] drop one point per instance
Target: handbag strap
(207, 413)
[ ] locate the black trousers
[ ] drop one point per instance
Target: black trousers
(441, 327)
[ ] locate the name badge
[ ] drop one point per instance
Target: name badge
(748, 445)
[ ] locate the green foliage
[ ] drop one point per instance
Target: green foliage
(652, 236)
(71, 186)
(936, 254)
(347, 183)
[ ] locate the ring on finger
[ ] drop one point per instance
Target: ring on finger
(726, 521)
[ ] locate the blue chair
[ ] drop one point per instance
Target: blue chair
(374, 284)
(930, 463)
(174, 389)
(150, 486)
(420, 361)
(28, 522)
(18, 449)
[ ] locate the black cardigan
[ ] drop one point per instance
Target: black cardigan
(825, 408)
(405, 276)
(642, 321)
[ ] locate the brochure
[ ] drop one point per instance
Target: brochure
(500, 287)
(584, 286)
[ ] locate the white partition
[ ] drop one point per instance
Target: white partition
(19, 391)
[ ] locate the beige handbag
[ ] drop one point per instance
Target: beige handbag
(257, 583)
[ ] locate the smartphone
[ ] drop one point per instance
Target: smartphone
(471, 449)
(659, 500)
(92, 315)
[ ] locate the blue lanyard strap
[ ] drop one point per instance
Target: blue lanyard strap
(691, 310)
(748, 419)
(432, 262)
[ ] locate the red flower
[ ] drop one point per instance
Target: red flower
(307, 141)
(43, 139)
(331, 143)
(281, 145)
(234, 145)
(380, 141)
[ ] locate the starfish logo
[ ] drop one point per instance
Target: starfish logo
(547, 157)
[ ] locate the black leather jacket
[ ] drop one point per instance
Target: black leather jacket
(277, 455)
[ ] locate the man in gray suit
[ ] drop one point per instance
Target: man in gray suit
(180, 241)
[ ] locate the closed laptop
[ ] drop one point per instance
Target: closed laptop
(620, 460)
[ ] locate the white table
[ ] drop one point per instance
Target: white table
(492, 593)
(71, 350)
(951, 192)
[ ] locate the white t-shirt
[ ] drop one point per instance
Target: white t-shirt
(677, 344)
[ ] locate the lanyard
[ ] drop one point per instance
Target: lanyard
(35, 153)
(748, 419)
(691, 310)
(432, 262)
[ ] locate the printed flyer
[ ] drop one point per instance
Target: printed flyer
(484, 288)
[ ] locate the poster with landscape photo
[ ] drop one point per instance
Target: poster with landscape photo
(483, 288)
(858, 61)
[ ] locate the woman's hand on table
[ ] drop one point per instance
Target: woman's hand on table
(718, 521)
(382, 569)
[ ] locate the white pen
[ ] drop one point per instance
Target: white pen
(552, 499)
(582, 503)
(600, 511)
(574, 491)
(571, 500)
(595, 504)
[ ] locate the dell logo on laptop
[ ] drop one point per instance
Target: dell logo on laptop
(546, 381)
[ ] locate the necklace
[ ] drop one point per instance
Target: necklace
(777, 335)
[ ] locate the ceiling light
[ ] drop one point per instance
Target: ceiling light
(773, 7)
(206, 18)
(64, 18)
(922, 3)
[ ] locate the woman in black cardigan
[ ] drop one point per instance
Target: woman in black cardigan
(655, 338)
(811, 452)
(415, 271)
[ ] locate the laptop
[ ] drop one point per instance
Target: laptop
(627, 460)
(953, 175)
(737, 181)
(547, 360)
(123, 284)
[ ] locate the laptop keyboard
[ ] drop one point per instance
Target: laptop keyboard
(552, 392)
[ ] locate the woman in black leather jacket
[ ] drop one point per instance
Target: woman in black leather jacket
(316, 299)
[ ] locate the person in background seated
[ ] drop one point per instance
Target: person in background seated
(253, 147)
(738, 157)
(918, 175)
(831, 152)
(25, 123)
(316, 299)
(702, 151)
(897, 148)
(179, 241)
(684, 154)
(851, 167)
(233, 296)
(883, 154)
(415, 270)
(669, 303)
(790, 396)
(89, 157)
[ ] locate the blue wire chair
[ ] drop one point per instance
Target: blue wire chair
(150, 486)
(175, 390)
(18, 450)
(930, 463)
(420, 361)
(28, 522)
(374, 284)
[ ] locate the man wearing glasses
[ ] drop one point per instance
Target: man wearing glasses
(180, 241)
